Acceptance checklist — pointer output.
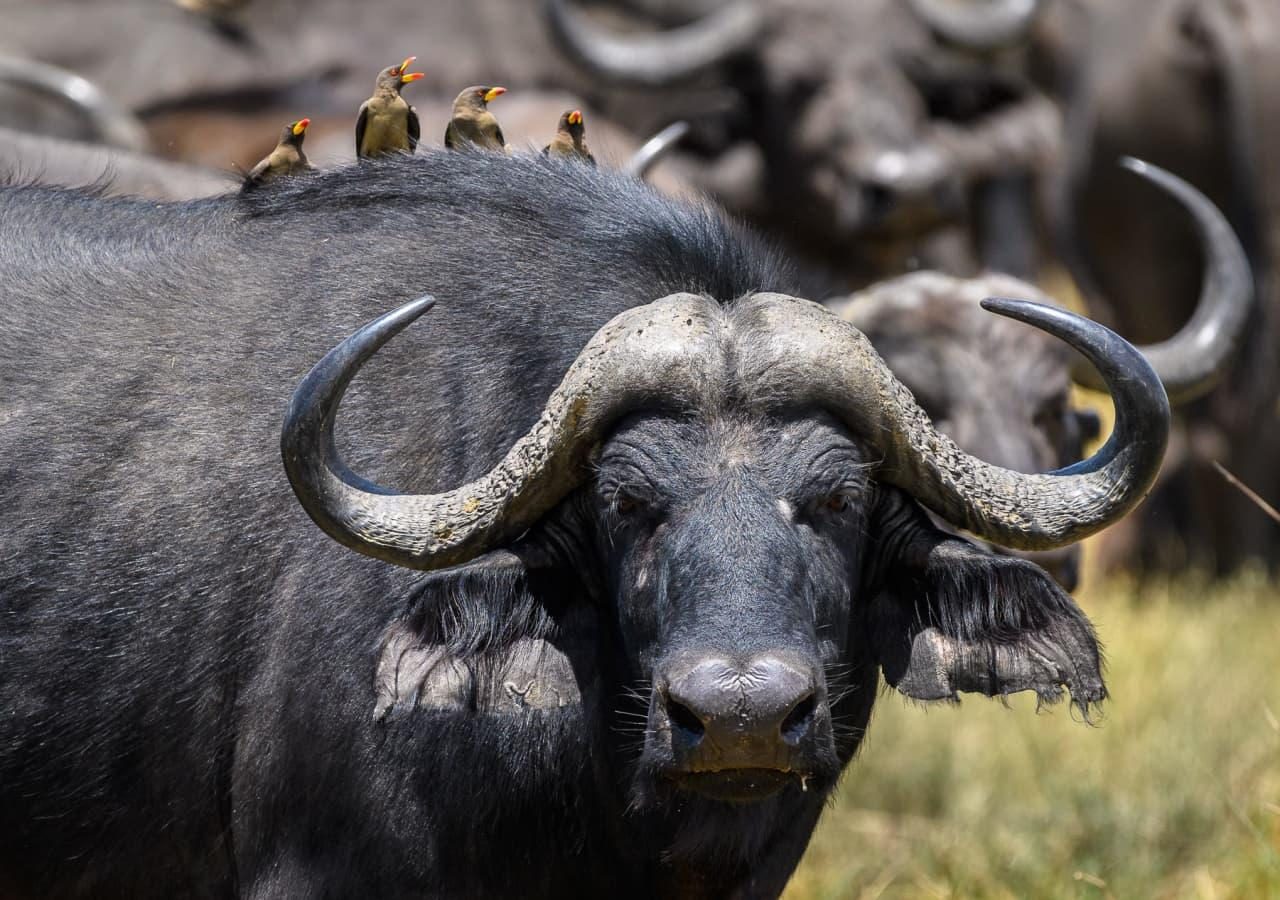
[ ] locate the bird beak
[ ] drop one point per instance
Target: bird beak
(494, 92)
(411, 77)
(575, 118)
(404, 66)
(301, 126)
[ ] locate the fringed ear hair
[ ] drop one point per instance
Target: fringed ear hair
(970, 621)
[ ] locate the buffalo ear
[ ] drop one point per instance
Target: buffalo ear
(962, 619)
(494, 634)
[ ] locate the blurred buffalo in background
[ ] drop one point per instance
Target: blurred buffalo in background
(1190, 85)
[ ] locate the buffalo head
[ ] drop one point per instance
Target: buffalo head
(732, 485)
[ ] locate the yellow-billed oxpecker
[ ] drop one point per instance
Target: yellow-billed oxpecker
(472, 123)
(387, 123)
(570, 141)
(286, 159)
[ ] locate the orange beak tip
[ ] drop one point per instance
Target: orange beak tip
(404, 66)
(494, 92)
(412, 76)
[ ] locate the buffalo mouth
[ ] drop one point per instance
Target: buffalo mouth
(736, 785)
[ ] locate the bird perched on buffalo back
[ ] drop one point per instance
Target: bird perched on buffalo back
(570, 141)
(286, 159)
(387, 123)
(472, 123)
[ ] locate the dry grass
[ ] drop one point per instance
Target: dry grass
(1176, 792)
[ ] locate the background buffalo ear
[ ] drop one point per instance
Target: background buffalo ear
(962, 619)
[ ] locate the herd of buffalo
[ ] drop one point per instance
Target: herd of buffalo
(647, 461)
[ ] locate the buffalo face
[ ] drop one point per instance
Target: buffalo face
(733, 487)
(732, 549)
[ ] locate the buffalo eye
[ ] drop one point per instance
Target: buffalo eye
(836, 503)
(625, 505)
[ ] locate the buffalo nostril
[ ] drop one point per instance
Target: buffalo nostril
(685, 721)
(798, 722)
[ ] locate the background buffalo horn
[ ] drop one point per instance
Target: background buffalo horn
(111, 124)
(657, 355)
(1191, 362)
(656, 60)
(806, 356)
(978, 24)
(652, 150)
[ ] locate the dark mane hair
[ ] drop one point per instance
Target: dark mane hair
(687, 246)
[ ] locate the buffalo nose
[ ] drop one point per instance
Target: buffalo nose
(740, 715)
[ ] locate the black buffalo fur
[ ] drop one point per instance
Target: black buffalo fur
(187, 662)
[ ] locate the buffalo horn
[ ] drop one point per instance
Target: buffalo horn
(1191, 362)
(978, 24)
(111, 124)
(656, 60)
(653, 150)
(653, 356)
(670, 353)
(805, 356)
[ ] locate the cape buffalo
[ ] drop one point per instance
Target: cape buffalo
(887, 124)
(654, 534)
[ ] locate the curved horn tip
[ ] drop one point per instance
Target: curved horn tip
(1151, 172)
(652, 151)
(1133, 164)
(1028, 311)
(334, 366)
(1192, 361)
(1108, 352)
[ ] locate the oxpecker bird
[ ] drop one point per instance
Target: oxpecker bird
(387, 123)
(286, 159)
(473, 123)
(570, 141)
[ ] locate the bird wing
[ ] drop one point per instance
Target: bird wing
(415, 129)
(254, 176)
(546, 151)
(497, 132)
(450, 136)
(361, 121)
(591, 159)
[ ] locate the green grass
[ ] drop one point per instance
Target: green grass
(1174, 793)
